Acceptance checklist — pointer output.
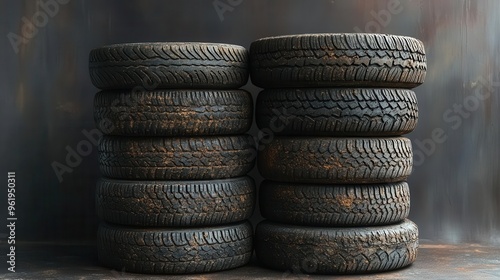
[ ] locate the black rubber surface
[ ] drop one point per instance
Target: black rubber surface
(174, 250)
(173, 112)
(337, 111)
(325, 60)
(332, 160)
(334, 205)
(330, 250)
(169, 65)
(175, 203)
(176, 158)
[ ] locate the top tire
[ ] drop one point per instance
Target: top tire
(169, 65)
(331, 60)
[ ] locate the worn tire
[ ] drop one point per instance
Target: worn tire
(334, 205)
(337, 111)
(176, 158)
(169, 65)
(329, 250)
(330, 160)
(326, 60)
(174, 250)
(175, 203)
(173, 112)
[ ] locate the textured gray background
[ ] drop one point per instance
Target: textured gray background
(46, 98)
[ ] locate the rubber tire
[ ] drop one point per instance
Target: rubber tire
(330, 250)
(175, 203)
(334, 205)
(174, 250)
(176, 158)
(169, 65)
(173, 112)
(330, 60)
(337, 111)
(330, 160)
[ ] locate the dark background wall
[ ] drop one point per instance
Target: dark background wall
(46, 97)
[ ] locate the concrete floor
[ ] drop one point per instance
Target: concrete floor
(435, 261)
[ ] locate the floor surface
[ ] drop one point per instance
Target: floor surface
(435, 261)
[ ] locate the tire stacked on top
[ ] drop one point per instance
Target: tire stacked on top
(335, 198)
(175, 196)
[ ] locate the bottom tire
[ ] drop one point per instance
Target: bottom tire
(176, 250)
(320, 250)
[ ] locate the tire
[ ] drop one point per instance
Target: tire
(174, 112)
(175, 203)
(329, 250)
(329, 160)
(337, 111)
(169, 65)
(330, 60)
(176, 158)
(176, 250)
(334, 205)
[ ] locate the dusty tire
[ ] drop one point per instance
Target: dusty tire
(176, 158)
(334, 205)
(175, 203)
(328, 250)
(330, 160)
(329, 60)
(337, 111)
(173, 112)
(169, 65)
(174, 250)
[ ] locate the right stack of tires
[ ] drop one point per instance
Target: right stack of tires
(335, 196)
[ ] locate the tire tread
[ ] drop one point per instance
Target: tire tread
(174, 251)
(337, 60)
(175, 203)
(169, 65)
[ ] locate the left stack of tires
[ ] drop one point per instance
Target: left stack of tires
(174, 197)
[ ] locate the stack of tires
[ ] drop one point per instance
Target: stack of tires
(175, 197)
(335, 198)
